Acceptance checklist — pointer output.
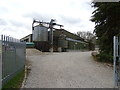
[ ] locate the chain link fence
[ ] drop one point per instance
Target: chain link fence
(12, 54)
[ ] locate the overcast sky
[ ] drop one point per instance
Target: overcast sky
(16, 15)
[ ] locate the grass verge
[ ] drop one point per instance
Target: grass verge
(15, 82)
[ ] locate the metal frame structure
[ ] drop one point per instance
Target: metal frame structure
(116, 58)
(48, 25)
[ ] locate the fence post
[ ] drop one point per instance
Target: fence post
(1, 37)
(114, 58)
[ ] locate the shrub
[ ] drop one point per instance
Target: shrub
(105, 57)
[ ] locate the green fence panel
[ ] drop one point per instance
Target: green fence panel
(13, 57)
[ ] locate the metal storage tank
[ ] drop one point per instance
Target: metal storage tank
(40, 33)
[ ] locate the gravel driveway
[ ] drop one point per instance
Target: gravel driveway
(67, 70)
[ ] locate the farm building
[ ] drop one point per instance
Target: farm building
(62, 40)
(27, 38)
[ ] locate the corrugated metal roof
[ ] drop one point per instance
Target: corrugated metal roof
(70, 39)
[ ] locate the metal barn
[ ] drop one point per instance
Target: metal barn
(62, 40)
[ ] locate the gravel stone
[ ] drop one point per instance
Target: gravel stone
(68, 70)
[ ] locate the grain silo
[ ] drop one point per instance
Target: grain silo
(40, 33)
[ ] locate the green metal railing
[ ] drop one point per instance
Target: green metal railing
(12, 53)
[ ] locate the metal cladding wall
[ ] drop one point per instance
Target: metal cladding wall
(76, 44)
(63, 43)
(40, 33)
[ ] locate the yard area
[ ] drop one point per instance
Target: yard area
(67, 70)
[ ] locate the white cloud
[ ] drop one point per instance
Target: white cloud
(17, 15)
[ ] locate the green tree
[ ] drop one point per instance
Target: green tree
(88, 37)
(107, 24)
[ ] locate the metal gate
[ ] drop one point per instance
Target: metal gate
(116, 51)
